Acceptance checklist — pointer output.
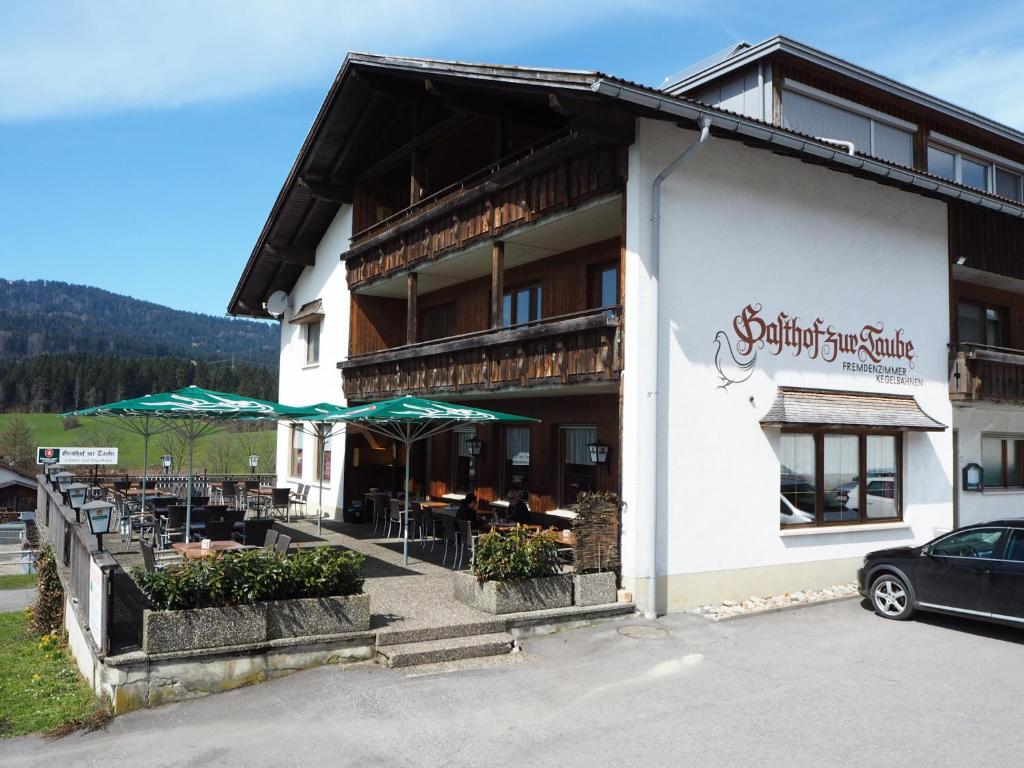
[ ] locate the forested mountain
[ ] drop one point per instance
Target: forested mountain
(64, 347)
(41, 317)
(59, 383)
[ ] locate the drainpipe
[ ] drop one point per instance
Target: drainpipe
(655, 412)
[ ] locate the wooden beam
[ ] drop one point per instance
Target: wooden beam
(322, 190)
(400, 154)
(497, 282)
(291, 254)
(410, 308)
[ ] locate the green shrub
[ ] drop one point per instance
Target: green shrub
(46, 614)
(253, 576)
(517, 554)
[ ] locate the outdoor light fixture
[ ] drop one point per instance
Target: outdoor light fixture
(475, 446)
(254, 461)
(99, 513)
(51, 471)
(598, 452)
(76, 493)
(167, 460)
(64, 479)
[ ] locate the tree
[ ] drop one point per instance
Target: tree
(222, 455)
(18, 446)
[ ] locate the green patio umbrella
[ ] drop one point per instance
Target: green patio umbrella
(195, 412)
(411, 419)
(146, 426)
(318, 416)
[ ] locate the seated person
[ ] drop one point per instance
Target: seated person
(467, 510)
(518, 512)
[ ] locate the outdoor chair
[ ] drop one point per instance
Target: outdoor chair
(395, 519)
(380, 514)
(468, 543)
(451, 535)
(173, 525)
(280, 499)
(234, 516)
(219, 530)
(200, 501)
(215, 512)
(254, 532)
(229, 492)
(270, 540)
(282, 543)
(149, 559)
(199, 520)
(249, 488)
(299, 497)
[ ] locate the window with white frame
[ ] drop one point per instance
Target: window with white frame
(295, 451)
(975, 169)
(311, 334)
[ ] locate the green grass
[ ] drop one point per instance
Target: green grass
(40, 688)
(222, 452)
(17, 581)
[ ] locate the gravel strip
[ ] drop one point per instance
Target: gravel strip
(752, 605)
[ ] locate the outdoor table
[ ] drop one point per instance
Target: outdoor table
(566, 514)
(433, 504)
(454, 496)
(193, 550)
(503, 504)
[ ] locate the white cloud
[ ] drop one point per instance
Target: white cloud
(973, 62)
(79, 56)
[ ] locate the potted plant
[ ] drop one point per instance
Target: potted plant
(513, 572)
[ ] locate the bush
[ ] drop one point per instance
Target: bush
(518, 554)
(254, 576)
(69, 423)
(46, 614)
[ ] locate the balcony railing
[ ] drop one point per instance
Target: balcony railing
(556, 177)
(981, 372)
(566, 350)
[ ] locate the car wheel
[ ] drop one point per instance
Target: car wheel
(890, 598)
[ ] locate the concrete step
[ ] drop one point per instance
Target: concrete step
(442, 632)
(446, 649)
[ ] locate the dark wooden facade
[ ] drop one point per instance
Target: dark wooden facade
(550, 179)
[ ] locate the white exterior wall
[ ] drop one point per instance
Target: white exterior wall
(302, 384)
(743, 226)
(972, 421)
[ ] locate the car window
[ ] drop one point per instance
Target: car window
(1015, 546)
(981, 542)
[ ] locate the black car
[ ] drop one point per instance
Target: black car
(976, 571)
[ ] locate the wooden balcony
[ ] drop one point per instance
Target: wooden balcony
(566, 350)
(987, 373)
(556, 177)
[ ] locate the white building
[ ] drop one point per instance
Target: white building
(791, 365)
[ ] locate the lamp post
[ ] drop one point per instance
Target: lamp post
(254, 461)
(167, 460)
(76, 493)
(99, 514)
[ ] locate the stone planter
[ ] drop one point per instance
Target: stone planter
(170, 631)
(211, 628)
(317, 616)
(594, 588)
(500, 597)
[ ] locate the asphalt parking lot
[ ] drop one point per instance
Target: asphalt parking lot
(829, 685)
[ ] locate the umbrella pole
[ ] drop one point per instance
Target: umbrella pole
(188, 492)
(405, 542)
(320, 507)
(145, 464)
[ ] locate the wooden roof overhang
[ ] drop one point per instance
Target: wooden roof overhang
(366, 101)
(365, 123)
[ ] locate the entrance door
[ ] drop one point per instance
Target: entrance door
(578, 472)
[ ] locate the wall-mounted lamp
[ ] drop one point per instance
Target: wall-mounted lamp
(475, 446)
(598, 452)
(961, 260)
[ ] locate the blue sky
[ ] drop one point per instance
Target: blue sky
(142, 144)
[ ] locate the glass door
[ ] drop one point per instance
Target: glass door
(578, 472)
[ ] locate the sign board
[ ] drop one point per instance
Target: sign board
(521, 459)
(72, 456)
(97, 605)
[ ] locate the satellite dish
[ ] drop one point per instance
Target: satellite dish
(277, 303)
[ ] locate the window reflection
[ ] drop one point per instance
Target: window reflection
(841, 478)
